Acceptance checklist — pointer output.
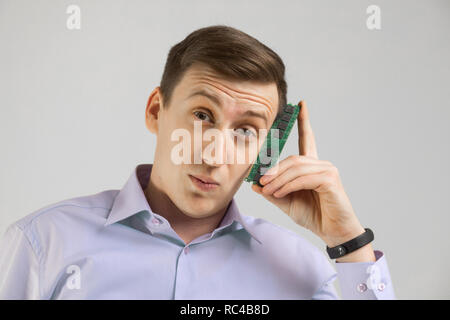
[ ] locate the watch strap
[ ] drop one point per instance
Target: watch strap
(351, 245)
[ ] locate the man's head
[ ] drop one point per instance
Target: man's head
(228, 81)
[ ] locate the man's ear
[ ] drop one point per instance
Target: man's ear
(154, 105)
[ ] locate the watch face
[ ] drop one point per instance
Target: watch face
(341, 251)
(351, 245)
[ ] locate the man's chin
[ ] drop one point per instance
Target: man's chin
(202, 208)
(198, 206)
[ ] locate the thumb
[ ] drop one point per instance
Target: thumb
(282, 203)
(258, 190)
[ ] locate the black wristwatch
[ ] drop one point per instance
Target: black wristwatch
(351, 245)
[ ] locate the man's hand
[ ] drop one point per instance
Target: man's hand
(310, 191)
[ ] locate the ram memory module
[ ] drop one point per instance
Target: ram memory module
(278, 133)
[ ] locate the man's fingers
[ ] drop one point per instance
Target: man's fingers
(291, 161)
(292, 174)
(306, 140)
(308, 182)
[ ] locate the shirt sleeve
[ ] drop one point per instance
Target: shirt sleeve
(327, 291)
(360, 281)
(19, 266)
(366, 280)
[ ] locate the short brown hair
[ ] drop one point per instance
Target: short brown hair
(231, 53)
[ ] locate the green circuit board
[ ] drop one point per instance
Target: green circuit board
(280, 130)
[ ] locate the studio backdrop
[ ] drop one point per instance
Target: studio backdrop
(75, 77)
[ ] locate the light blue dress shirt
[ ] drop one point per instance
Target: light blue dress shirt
(110, 245)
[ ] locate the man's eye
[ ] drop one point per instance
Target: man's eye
(242, 131)
(248, 133)
(201, 115)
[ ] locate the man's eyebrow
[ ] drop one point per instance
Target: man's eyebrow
(255, 114)
(217, 101)
(208, 95)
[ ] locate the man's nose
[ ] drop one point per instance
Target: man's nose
(214, 151)
(223, 147)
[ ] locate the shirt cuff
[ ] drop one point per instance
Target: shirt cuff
(365, 280)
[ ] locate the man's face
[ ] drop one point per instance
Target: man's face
(234, 113)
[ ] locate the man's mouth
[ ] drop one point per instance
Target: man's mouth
(204, 183)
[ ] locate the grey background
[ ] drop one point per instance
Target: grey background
(72, 108)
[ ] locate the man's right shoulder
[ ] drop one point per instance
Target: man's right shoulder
(98, 204)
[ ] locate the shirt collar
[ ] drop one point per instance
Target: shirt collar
(131, 200)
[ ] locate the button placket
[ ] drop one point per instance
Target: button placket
(156, 221)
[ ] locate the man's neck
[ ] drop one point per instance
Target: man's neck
(186, 227)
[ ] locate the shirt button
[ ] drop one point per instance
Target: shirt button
(186, 250)
(156, 221)
(362, 287)
(381, 286)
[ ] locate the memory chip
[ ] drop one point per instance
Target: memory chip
(280, 130)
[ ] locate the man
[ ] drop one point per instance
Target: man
(174, 230)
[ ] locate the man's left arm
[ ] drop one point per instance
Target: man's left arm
(311, 193)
